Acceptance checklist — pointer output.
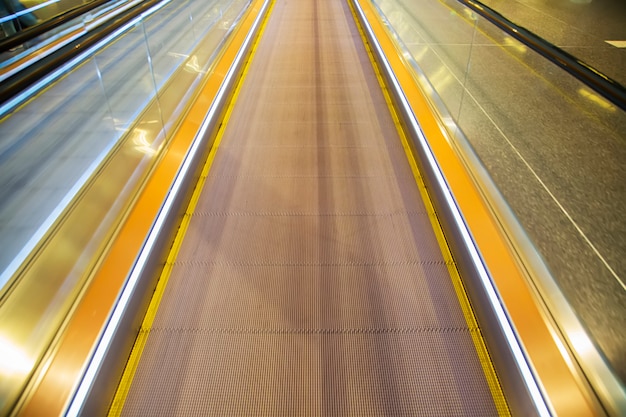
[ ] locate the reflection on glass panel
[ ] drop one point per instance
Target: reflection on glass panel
(46, 147)
(170, 40)
(208, 16)
(44, 26)
(553, 147)
(175, 47)
(15, 16)
(19, 15)
(54, 143)
(127, 78)
(437, 42)
(15, 364)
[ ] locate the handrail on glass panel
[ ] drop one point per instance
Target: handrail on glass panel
(16, 84)
(25, 56)
(41, 27)
(599, 82)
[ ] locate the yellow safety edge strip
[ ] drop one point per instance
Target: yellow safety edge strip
(474, 330)
(126, 381)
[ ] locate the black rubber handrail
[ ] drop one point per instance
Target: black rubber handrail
(599, 82)
(41, 28)
(20, 81)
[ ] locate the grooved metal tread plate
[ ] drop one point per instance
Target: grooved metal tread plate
(310, 282)
(310, 374)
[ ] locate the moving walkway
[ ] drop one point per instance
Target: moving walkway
(310, 274)
(309, 280)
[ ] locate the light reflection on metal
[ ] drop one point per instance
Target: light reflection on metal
(515, 44)
(581, 342)
(142, 144)
(441, 78)
(416, 55)
(470, 14)
(617, 44)
(596, 99)
(193, 65)
(13, 360)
